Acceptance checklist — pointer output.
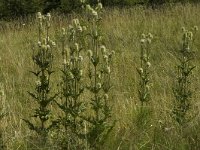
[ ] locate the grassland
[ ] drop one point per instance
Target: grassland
(122, 32)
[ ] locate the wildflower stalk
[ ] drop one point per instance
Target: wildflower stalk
(99, 74)
(72, 86)
(182, 87)
(143, 71)
(43, 59)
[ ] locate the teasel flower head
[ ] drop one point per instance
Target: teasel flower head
(99, 6)
(190, 35)
(76, 46)
(107, 69)
(103, 49)
(183, 29)
(150, 36)
(80, 58)
(79, 28)
(142, 41)
(148, 64)
(98, 85)
(196, 28)
(48, 16)
(140, 70)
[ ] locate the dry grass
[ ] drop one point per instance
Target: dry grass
(122, 30)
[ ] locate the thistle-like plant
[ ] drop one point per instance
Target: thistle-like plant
(99, 74)
(143, 71)
(182, 87)
(43, 59)
(72, 87)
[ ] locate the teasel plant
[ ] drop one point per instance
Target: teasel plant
(98, 124)
(72, 88)
(182, 85)
(43, 60)
(144, 70)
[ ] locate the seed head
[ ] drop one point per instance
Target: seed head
(98, 85)
(76, 45)
(183, 29)
(80, 58)
(39, 15)
(100, 6)
(148, 64)
(94, 13)
(140, 70)
(39, 44)
(79, 28)
(143, 36)
(196, 28)
(103, 49)
(150, 36)
(48, 16)
(108, 69)
(81, 72)
(38, 83)
(64, 62)
(142, 41)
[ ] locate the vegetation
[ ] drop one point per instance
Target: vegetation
(76, 107)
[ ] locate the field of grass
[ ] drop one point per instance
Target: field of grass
(122, 28)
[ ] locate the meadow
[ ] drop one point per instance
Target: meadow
(122, 30)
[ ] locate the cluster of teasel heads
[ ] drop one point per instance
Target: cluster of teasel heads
(42, 58)
(182, 87)
(76, 41)
(144, 70)
(99, 74)
(73, 44)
